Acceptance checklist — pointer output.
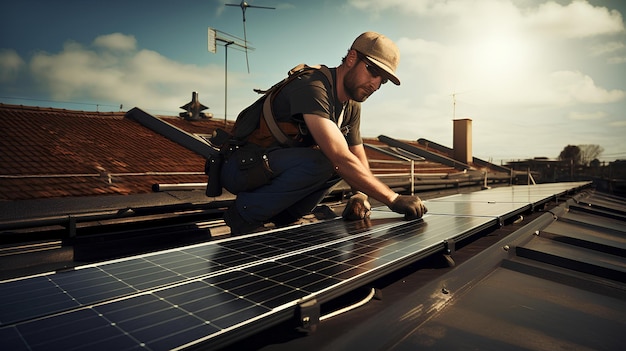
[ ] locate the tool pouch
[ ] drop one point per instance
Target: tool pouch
(213, 168)
(253, 168)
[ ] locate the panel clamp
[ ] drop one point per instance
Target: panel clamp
(307, 316)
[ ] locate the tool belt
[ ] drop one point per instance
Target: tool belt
(251, 160)
(255, 131)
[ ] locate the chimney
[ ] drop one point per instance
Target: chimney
(462, 143)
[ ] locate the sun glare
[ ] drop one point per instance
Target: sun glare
(499, 56)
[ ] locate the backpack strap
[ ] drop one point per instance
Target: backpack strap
(268, 114)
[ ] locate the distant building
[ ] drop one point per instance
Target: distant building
(543, 169)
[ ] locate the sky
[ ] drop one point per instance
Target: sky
(533, 76)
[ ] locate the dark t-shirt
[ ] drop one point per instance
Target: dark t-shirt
(312, 94)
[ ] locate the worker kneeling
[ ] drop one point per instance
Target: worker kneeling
(303, 136)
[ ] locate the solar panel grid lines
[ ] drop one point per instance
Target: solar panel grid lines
(230, 283)
(22, 298)
(105, 280)
(137, 315)
(88, 330)
(300, 280)
(199, 293)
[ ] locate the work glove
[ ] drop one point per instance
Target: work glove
(408, 205)
(357, 208)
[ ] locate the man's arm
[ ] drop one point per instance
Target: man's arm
(359, 152)
(351, 165)
(350, 162)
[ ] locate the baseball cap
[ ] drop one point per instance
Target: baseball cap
(381, 51)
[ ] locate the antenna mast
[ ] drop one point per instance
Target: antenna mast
(454, 102)
(454, 106)
(228, 40)
(244, 5)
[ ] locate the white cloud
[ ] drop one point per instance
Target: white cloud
(10, 65)
(587, 116)
(422, 53)
(607, 48)
(556, 89)
(141, 78)
(614, 51)
(497, 76)
(615, 60)
(578, 19)
(496, 54)
(373, 6)
(116, 42)
(574, 86)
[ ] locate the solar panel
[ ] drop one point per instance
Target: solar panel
(208, 292)
(513, 194)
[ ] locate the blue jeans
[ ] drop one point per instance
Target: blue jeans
(301, 179)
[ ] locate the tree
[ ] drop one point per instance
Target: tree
(570, 153)
(589, 152)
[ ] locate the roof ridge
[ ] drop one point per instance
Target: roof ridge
(4, 106)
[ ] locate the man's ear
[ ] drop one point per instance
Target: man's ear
(352, 58)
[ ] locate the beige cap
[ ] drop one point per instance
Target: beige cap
(381, 51)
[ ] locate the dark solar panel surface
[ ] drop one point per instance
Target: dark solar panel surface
(197, 293)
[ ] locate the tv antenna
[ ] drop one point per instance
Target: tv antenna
(244, 5)
(453, 106)
(227, 40)
(454, 102)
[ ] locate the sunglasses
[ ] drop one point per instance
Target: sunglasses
(371, 68)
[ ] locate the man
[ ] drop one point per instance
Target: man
(328, 115)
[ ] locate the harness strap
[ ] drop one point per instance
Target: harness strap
(268, 114)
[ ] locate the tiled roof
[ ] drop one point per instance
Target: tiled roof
(48, 152)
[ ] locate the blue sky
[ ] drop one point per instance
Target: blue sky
(534, 76)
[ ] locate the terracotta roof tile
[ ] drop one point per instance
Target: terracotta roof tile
(47, 152)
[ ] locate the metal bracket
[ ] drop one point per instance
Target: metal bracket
(308, 316)
(71, 227)
(449, 248)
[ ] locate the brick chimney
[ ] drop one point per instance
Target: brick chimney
(462, 143)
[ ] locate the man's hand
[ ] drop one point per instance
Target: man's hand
(357, 208)
(410, 206)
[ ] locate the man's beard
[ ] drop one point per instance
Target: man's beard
(353, 91)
